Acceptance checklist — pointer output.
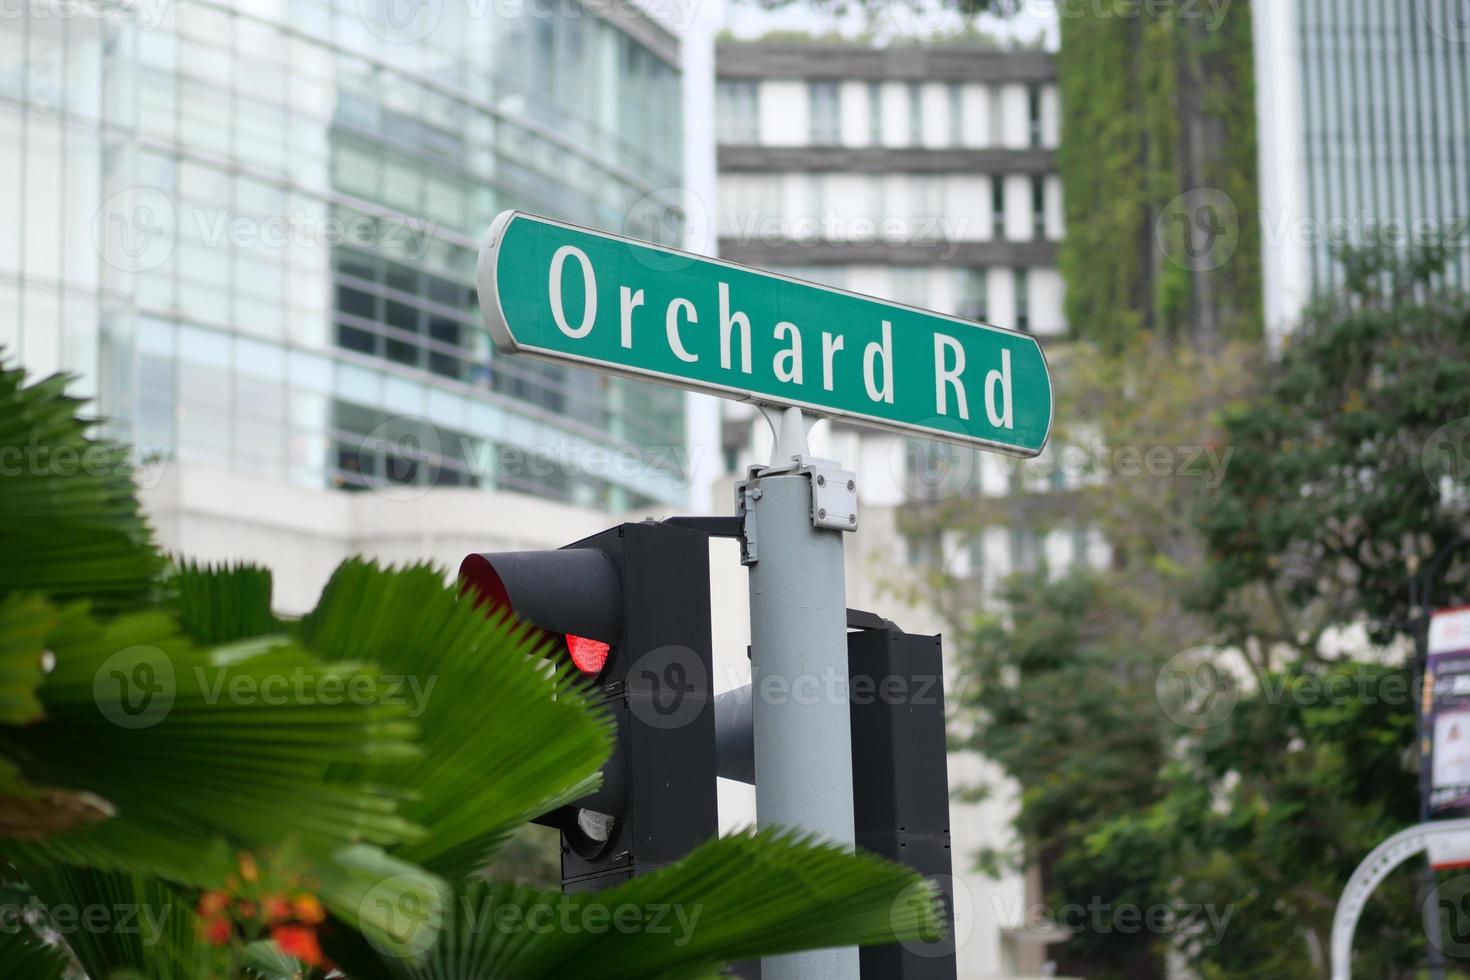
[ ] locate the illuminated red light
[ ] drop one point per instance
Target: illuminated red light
(589, 656)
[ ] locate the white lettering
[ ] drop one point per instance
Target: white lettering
(671, 324)
(728, 321)
(792, 373)
(945, 377)
(871, 354)
(589, 289)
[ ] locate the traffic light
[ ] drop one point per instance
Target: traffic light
(630, 609)
(900, 781)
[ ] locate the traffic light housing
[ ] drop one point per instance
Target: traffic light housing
(630, 609)
(900, 779)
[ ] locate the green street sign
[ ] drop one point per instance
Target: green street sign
(568, 294)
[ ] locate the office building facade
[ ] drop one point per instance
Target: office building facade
(925, 175)
(251, 229)
(1364, 115)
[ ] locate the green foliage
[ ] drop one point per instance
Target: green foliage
(1278, 586)
(477, 782)
(1335, 493)
(777, 893)
(160, 729)
(56, 477)
(1156, 105)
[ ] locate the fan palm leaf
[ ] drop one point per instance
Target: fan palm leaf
(506, 735)
(195, 754)
(72, 526)
(742, 896)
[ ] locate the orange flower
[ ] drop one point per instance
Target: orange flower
(213, 903)
(248, 869)
(217, 931)
(247, 909)
(308, 909)
(277, 909)
(298, 941)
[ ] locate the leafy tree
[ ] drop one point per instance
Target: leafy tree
(1222, 718)
(169, 746)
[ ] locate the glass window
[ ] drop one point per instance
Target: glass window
(916, 114)
(1038, 207)
(737, 111)
(1033, 114)
(974, 295)
(824, 113)
(1023, 299)
(998, 207)
(875, 113)
(956, 114)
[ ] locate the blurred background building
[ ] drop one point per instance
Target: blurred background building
(1382, 144)
(252, 228)
(924, 174)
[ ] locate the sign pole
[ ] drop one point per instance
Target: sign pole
(795, 512)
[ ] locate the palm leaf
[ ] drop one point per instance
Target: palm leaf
(23, 956)
(224, 603)
(72, 526)
(506, 737)
(739, 897)
(144, 927)
(141, 718)
(24, 623)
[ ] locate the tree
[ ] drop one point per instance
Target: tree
(248, 790)
(1222, 719)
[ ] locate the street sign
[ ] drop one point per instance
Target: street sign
(569, 294)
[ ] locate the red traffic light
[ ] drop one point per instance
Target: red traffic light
(573, 597)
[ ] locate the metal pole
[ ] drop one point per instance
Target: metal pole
(798, 633)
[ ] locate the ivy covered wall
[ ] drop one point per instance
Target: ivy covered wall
(1158, 168)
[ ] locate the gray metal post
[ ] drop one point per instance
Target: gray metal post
(798, 632)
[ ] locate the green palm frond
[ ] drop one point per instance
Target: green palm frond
(739, 897)
(24, 623)
(72, 527)
(224, 603)
(506, 736)
(196, 748)
(118, 925)
(23, 956)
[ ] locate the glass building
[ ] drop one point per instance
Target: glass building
(1364, 115)
(251, 228)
